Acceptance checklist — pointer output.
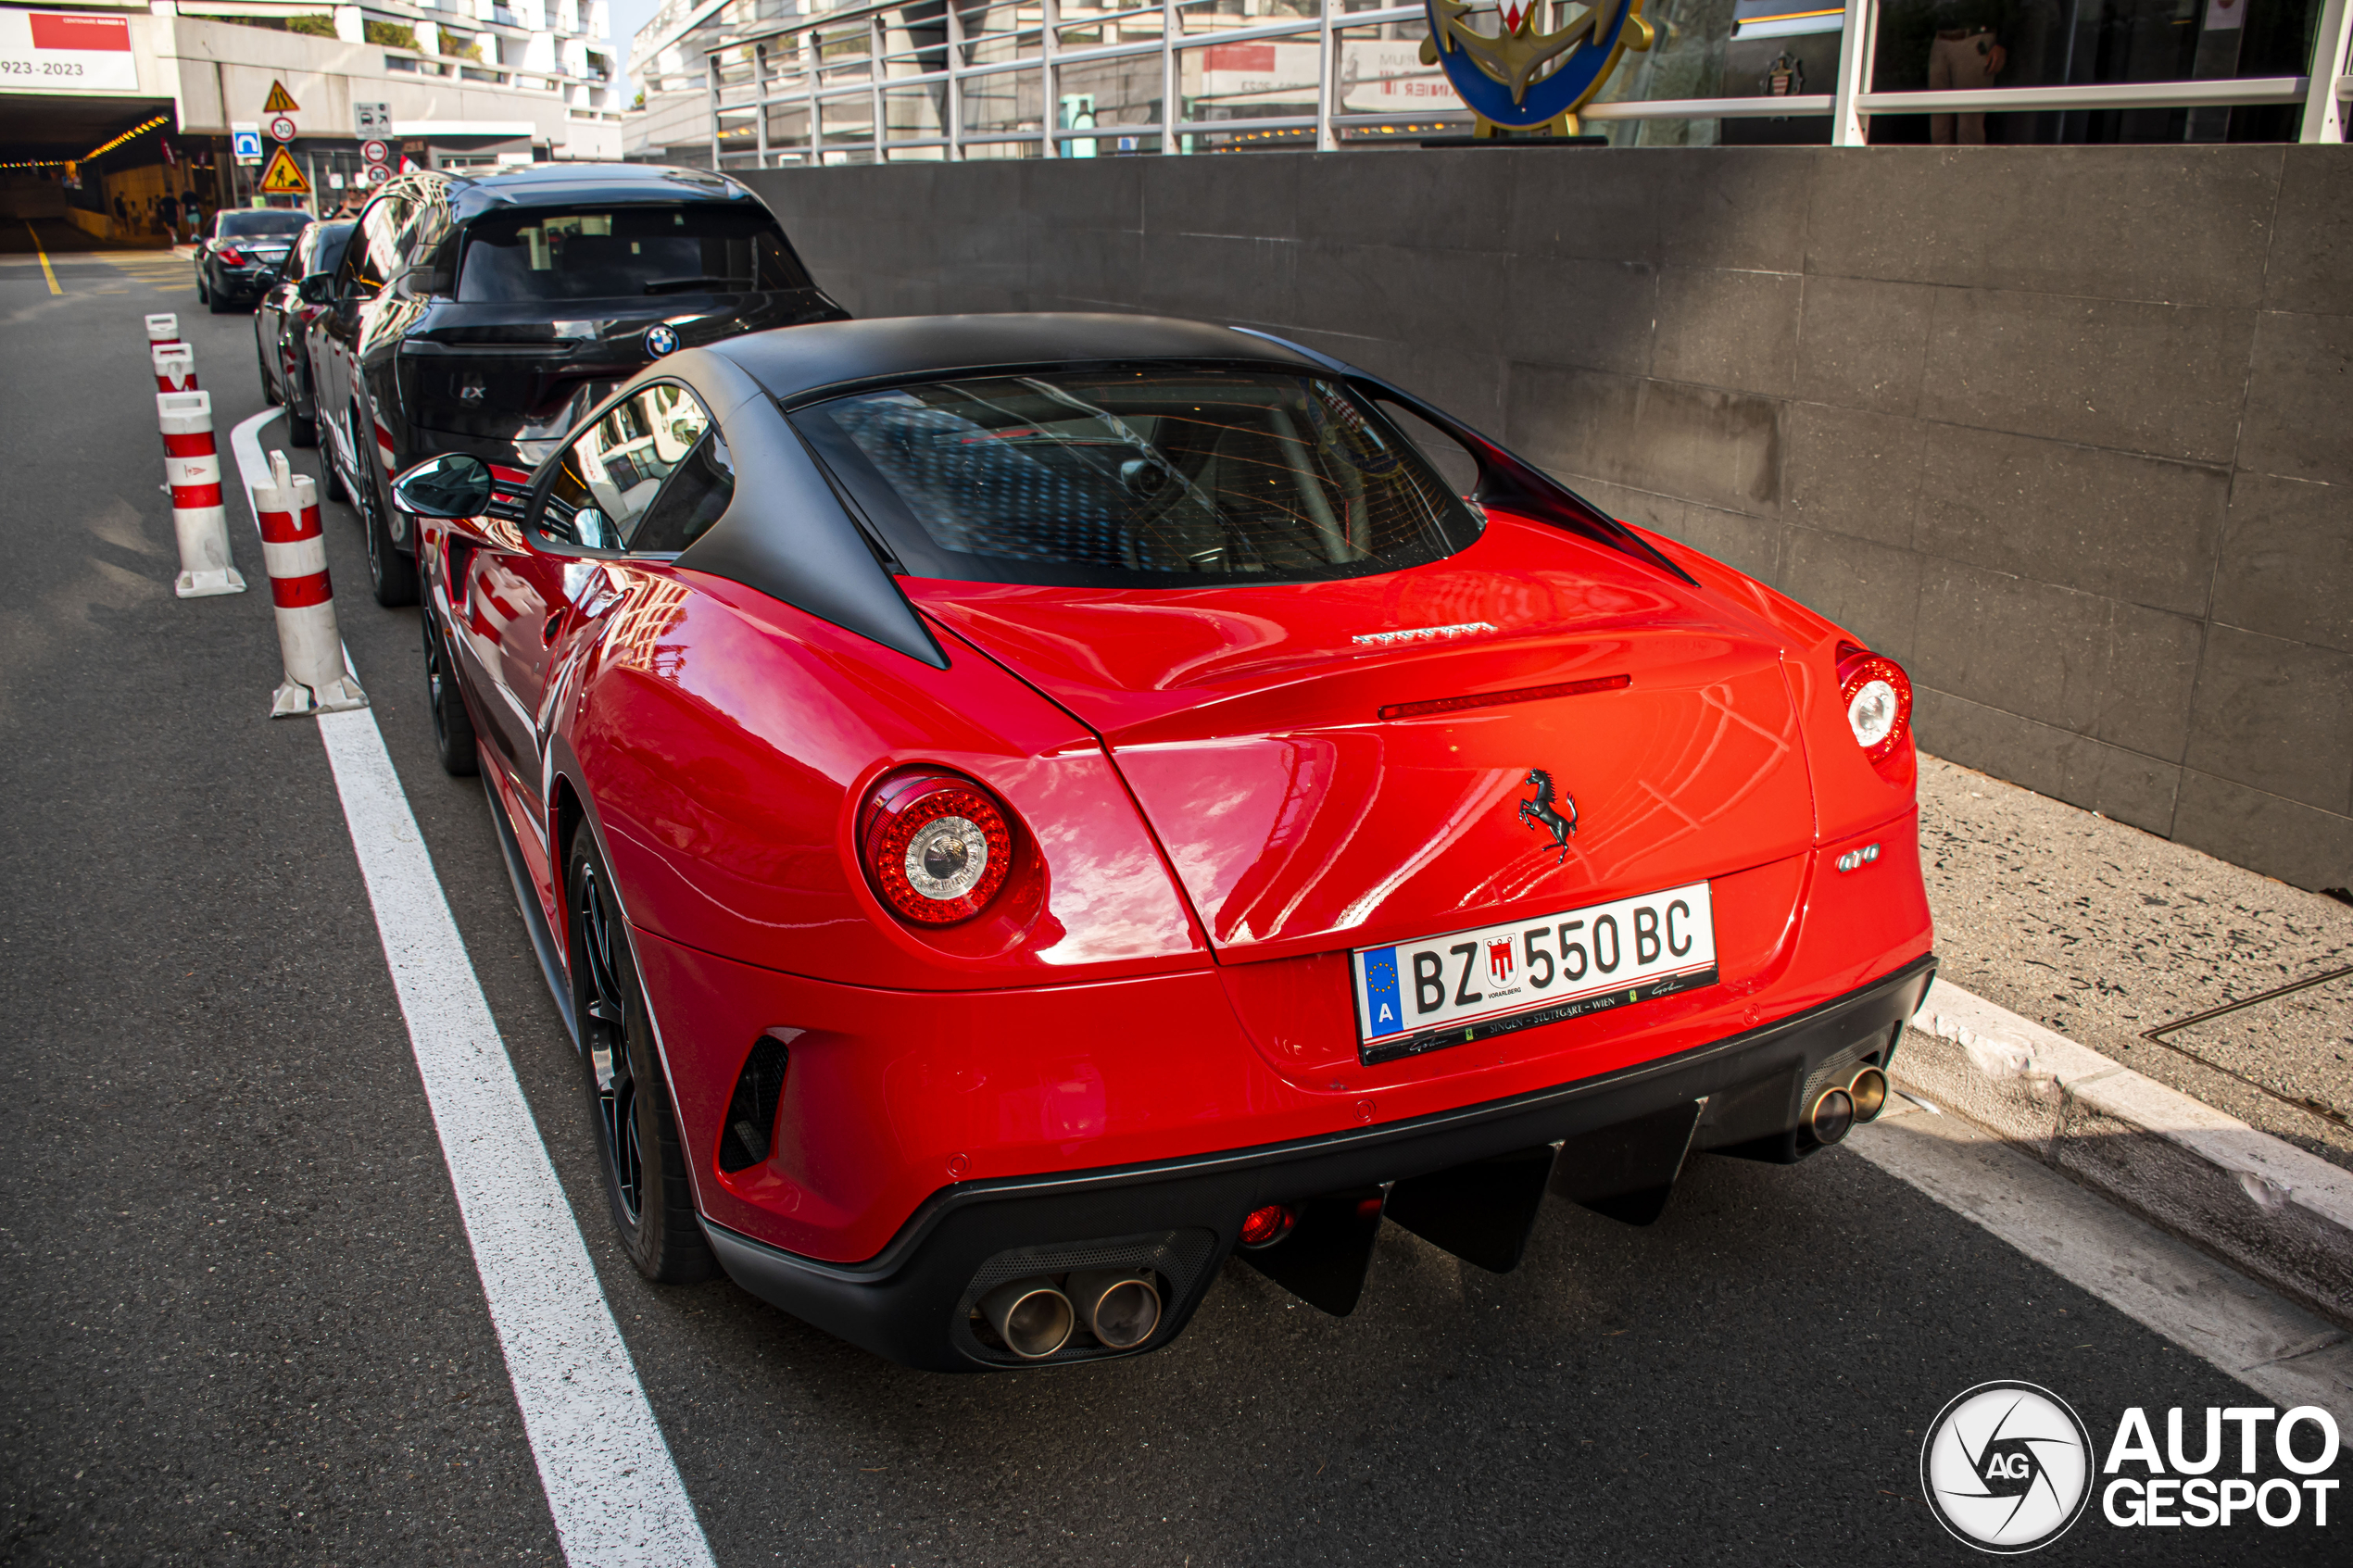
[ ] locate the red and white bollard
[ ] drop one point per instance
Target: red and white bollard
(192, 466)
(163, 331)
(316, 679)
(175, 366)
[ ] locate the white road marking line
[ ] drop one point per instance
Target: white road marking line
(2266, 1341)
(611, 1485)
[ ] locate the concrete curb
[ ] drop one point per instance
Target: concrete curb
(2255, 1201)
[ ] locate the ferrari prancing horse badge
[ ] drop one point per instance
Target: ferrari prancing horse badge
(1548, 812)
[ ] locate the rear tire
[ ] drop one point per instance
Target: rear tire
(453, 727)
(392, 572)
(332, 472)
(271, 392)
(202, 298)
(302, 430)
(640, 1153)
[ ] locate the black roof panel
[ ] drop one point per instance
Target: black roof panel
(792, 361)
(568, 184)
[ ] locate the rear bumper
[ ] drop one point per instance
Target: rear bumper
(908, 1302)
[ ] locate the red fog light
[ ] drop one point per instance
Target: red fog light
(1263, 1227)
(936, 847)
(1877, 696)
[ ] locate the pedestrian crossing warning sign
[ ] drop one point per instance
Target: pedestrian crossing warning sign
(281, 101)
(282, 177)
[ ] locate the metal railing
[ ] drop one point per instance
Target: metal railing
(899, 80)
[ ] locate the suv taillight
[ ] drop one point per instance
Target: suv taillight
(1879, 699)
(938, 846)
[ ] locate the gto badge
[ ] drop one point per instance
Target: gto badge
(662, 339)
(1546, 810)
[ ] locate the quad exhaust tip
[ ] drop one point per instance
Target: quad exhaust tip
(1033, 1317)
(1869, 1093)
(1832, 1116)
(1120, 1308)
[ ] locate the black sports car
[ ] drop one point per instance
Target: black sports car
(282, 330)
(243, 252)
(486, 315)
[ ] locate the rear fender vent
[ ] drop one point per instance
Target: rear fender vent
(750, 1131)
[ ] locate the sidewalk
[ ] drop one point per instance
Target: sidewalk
(2101, 932)
(2067, 943)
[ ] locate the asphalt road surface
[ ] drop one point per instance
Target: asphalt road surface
(240, 1322)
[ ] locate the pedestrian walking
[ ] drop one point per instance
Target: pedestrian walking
(168, 208)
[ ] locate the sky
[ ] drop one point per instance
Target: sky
(628, 16)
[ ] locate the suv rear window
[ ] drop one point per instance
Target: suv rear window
(623, 253)
(1162, 477)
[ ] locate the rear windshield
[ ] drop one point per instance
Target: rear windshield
(1164, 477)
(249, 222)
(624, 253)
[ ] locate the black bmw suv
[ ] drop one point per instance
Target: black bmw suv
(485, 314)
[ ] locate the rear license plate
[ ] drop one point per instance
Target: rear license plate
(1466, 985)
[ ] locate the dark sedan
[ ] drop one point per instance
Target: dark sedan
(281, 328)
(242, 253)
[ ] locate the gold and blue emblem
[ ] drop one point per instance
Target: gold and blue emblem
(1521, 79)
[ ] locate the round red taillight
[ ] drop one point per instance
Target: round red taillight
(1877, 696)
(1263, 1227)
(936, 847)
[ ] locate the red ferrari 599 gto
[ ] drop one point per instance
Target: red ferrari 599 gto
(1020, 809)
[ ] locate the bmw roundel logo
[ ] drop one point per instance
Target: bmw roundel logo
(662, 339)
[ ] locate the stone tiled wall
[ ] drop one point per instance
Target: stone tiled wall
(2069, 430)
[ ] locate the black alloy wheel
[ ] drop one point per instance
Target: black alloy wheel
(391, 572)
(453, 727)
(638, 1143)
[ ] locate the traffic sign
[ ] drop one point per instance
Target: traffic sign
(377, 173)
(246, 140)
(283, 177)
(371, 119)
(280, 128)
(281, 101)
(375, 152)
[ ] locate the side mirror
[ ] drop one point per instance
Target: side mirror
(591, 530)
(317, 289)
(455, 485)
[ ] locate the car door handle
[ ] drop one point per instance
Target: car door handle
(547, 633)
